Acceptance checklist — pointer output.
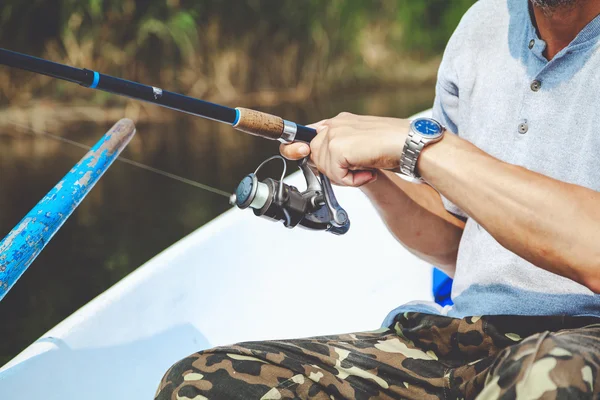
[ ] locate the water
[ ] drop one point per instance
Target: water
(132, 214)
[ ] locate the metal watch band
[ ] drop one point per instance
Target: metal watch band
(410, 154)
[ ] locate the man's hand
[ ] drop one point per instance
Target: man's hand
(352, 150)
(349, 148)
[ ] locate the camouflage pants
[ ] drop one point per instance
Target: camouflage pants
(420, 356)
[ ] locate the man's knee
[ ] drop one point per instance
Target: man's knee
(222, 372)
(565, 363)
(183, 376)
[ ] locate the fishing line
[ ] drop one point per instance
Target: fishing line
(187, 181)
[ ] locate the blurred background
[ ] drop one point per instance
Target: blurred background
(303, 60)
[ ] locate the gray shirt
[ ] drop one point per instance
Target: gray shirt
(497, 90)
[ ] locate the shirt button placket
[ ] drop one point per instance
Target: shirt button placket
(523, 127)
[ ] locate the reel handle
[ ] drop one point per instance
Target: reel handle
(339, 216)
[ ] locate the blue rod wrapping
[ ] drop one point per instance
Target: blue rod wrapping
(26, 241)
(94, 84)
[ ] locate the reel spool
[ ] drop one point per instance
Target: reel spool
(316, 208)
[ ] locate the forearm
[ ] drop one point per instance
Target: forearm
(552, 224)
(415, 215)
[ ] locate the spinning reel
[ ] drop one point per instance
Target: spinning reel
(316, 208)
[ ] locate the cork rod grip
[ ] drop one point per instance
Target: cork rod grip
(259, 123)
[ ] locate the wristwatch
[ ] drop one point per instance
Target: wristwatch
(423, 132)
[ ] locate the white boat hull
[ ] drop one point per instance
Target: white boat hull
(237, 278)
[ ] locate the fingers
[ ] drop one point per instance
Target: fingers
(359, 178)
(339, 146)
(316, 155)
(294, 151)
(325, 155)
(299, 150)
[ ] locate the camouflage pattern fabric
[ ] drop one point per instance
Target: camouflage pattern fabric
(420, 356)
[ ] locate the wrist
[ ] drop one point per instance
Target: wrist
(423, 132)
(388, 152)
(432, 155)
(397, 147)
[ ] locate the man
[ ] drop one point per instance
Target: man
(518, 87)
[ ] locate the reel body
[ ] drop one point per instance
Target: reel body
(316, 208)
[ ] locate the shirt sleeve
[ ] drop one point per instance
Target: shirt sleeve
(446, 103)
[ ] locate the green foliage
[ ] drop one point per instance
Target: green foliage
(189, 43)
(427, 25)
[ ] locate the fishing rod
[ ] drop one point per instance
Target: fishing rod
(316, 208)
(243, 119)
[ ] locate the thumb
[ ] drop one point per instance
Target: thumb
(294, 151)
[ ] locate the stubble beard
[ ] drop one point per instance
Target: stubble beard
(550, 6)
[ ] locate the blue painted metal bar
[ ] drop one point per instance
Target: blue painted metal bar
(26, 241)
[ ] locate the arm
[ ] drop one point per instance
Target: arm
(415, 215)
(552, 224)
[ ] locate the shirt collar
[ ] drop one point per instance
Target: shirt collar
(589, 35)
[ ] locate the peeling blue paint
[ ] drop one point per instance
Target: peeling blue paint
(26, 241)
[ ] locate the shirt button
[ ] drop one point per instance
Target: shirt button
(523, 128)
(531, 44)
(536, 85)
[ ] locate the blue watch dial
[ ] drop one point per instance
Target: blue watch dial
(427, 127)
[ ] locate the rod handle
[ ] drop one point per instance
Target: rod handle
(258, 123)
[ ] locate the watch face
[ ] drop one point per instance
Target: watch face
(427, 127)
